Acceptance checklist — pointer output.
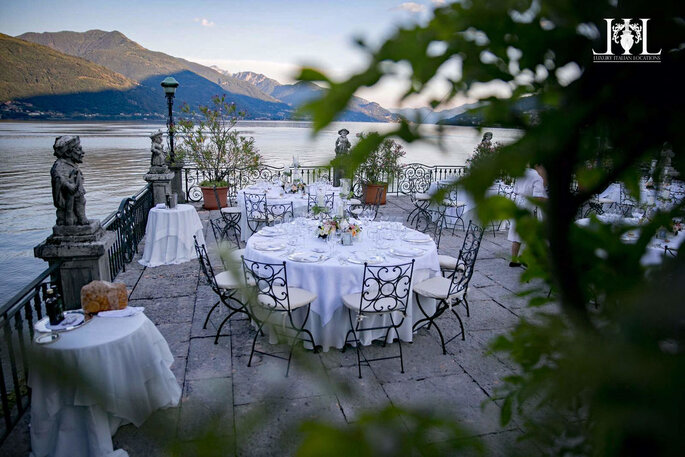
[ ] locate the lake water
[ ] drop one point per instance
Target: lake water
(117, 156)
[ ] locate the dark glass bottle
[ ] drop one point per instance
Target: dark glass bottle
(51, 306)
(59, 308)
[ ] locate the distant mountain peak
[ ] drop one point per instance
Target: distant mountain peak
(263, 82)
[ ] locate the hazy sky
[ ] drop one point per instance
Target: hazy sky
(266, 36)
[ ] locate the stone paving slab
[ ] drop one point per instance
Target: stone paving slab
(225, 400)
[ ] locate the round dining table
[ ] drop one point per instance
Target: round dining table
(169, 235)
(109, 372)
(331, 270)
(275, 195)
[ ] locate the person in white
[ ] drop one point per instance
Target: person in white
(531, 184)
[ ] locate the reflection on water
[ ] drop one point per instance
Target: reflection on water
(117, 156)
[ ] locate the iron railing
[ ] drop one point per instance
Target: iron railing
(416, 174)
(128, 223)
(17, 317)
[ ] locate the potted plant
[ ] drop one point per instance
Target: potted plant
(380, 167)
(211, 141)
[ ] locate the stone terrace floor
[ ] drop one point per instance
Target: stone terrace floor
(221, 393)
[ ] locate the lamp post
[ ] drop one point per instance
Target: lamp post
(170, 84)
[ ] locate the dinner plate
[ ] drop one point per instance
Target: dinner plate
(364, 258)
(271, 232)
(307, 257)
(269, 246)
(413, 238)
(77, 317)
(407, 252)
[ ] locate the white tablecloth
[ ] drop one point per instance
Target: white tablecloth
(330, 280)
(654, 254)
(169, 236)
(111, 371)
(276, 196)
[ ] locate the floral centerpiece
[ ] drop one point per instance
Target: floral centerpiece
(335, 224)
(294, 187)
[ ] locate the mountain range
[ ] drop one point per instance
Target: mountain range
(98, 74)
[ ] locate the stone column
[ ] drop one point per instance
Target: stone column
(83, 251)
(161, 185)
(177, 181)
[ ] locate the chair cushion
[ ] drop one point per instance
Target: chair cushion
(354, 201)
(422, 196)
(298, 298)
(457, 204)
(352, 301)
(227, 280)
(447, 262)
(437, 287)
(231, 210)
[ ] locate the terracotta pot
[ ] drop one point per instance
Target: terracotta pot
(372, 190)
(210, 199)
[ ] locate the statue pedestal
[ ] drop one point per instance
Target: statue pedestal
(177, 182)
(83, 251)
(161, 183)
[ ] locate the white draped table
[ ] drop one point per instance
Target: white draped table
(332, 278)
(275, 195)
(110, 372)
(169, 236)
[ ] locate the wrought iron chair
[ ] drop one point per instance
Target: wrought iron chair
(276, 303)
(452, 201)
(420, 200)
(328, 201)
(626, 203)
(226, 285)
(451, 291)
(507, 191)
(448, 264)
(255, 211)
(231, 217)
(385, 292)
(431, 222)
(279, 212)
(373, 207)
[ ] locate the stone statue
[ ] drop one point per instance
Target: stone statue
(158, 158)
(68, 193)
(342, 147)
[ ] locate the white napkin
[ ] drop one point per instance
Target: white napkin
(126, 312)
(160, 206)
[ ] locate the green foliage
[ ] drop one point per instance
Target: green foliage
(602, 373)
(382, 161)
(483, 153)
(213, 143)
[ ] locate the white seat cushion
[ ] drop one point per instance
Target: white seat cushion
(352, 301)
(447, 262)
(456, 204)
(354, 201)
(437, 287)
(231, 210)
(227, 280)
(422, 196)
(298, 298)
